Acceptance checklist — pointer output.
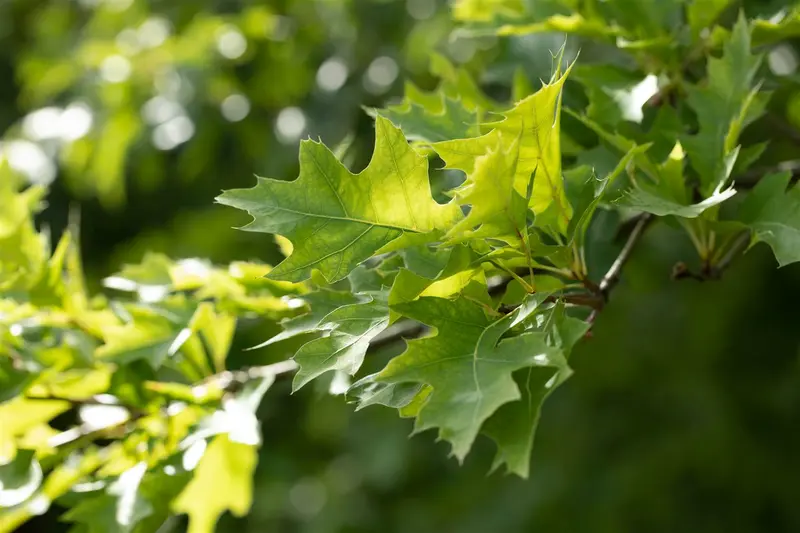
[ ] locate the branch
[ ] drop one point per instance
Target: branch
(612, 276)
(230, 379)
(738, 246)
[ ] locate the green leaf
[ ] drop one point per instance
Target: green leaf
(513, 426)
(780, 27)
(20, 415)
(368, 392)
(702, 14)
(454, 278)
(19, 479)
(148, 336)
(321, 303)
(13, 380)
(497, 209)
(585, 192)
(617, 141)
(348, 217)
(222, 481)
(724, 106)
(651, 201)
(574, 24)
(431, 119)
(486, 10)
(615, 94)
(534, 126)
(465, 362)
(773, 213)
(216, 330)
(427, 261)
(349, 331)
(458, 84)
(117, 511)
(22, 251)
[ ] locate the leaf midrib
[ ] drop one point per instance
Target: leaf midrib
(345, 219)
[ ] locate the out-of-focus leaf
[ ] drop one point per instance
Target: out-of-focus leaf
(486, 10)
(784, 25)
(13, 380)
(702, 14)
(19, 479)
(223, 481)
(615, 93)
(20, 415)
(119, 509)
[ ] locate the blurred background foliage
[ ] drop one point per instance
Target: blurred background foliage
(684, 411)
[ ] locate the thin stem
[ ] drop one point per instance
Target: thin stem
(737, 246)
(229, 378)
(722, 248)
(612, 276)
(513, 274)
(560, 271)
(693, 236)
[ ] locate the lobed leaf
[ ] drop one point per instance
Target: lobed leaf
(349, 217)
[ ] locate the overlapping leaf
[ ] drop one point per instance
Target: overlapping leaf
(533, 128)
(724, 106)
(431, 118)
(348, 331)
(497, 209)
(337, 219)
(466, 364)
(513, 426)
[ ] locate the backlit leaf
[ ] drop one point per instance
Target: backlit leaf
(350, 216)
(223, 481)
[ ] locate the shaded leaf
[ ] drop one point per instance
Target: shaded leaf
(19, 479)
(431, 119)
(466, 364)
(119, 510)
(724, 106)
(349, 331)
(772, 211)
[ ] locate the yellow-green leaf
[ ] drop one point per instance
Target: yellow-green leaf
(337, 219)
(222, 482)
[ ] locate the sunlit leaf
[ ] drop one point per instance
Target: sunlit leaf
(350, 216)
(223, 481)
